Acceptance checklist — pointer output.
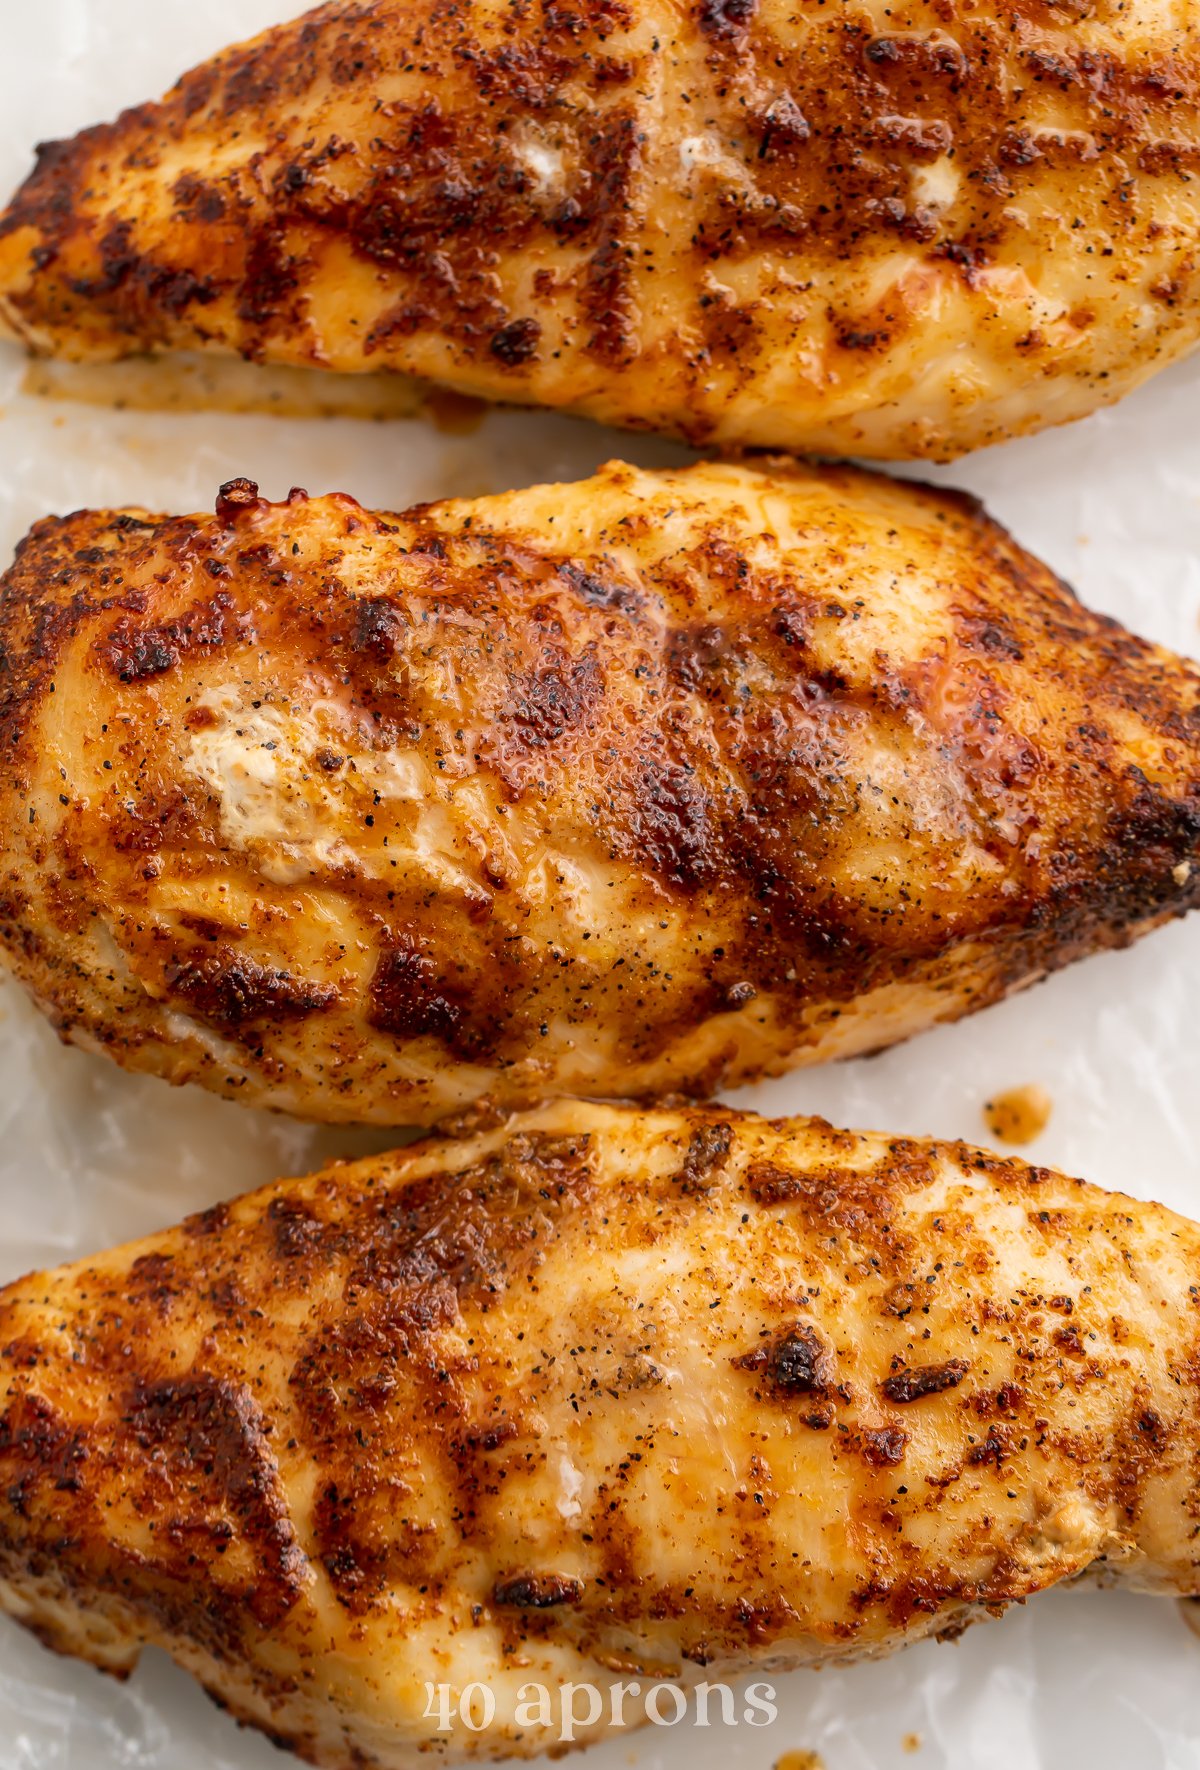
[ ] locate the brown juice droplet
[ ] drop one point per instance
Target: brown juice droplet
(800, 1761)
(1019, 1115)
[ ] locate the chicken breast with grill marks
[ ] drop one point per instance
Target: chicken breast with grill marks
(597, 1396)
(902, 230)
(645, 784)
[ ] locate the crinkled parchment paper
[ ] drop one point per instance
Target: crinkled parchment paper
(89, 1156)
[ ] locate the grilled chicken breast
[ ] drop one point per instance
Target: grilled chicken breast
(645, 784)
(887, 231)
(593, 1396)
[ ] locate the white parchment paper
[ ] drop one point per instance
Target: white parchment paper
(89, 1156)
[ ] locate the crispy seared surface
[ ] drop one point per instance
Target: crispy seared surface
(589, 1395)
(876, 230)
(646, 784)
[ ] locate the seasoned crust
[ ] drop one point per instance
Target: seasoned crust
(591, 1394)
(634, 786)
(787, 225)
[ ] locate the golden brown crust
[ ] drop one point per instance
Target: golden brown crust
(900, 231)
(629, 787)
(595, 1393)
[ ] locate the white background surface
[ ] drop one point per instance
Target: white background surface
(89, 1156)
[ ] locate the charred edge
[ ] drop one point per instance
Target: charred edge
(235, 498)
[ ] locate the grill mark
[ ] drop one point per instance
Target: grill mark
(412, 998)
(537, 1591)
(608, 299)
(136, 653)
(214, 1437)
(229, 990)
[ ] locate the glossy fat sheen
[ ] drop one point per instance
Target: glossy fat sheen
(648, 784)
(594, 1395)
(870, 229)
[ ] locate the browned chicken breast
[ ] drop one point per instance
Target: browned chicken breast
(645, 784)
(888, 231)
(595, 1396)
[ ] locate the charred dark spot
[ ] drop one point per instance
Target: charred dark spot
(707, 1154)
(516, 343)
(791, 627)
(784, 126)
(235, 497)
(601, 591)
(152, 1280)
(696, 653)
(228, 989)
(47, 1452)
(137, 655)
(969, 258)
(726, 18)
(378, 625)
(196, 200)
(993, 1450)
(768, 1184)
(882, 1447)
(990, 636)
(901, 1299)
(298, 1230)
(537, 1591)
(548, 702)
(925, 139)
(930, 1379)
(210, 1222)
(794, 1362)
(937, 56)
(493, 1436)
